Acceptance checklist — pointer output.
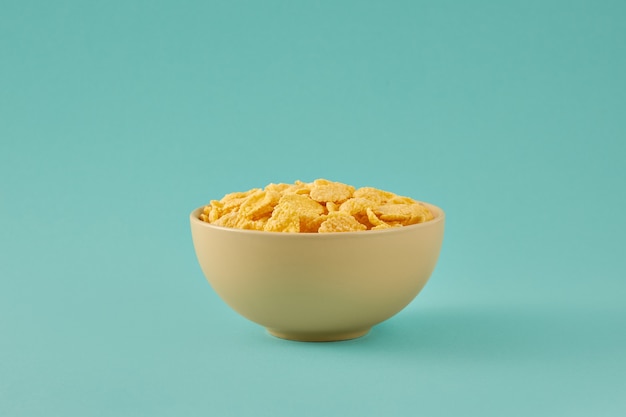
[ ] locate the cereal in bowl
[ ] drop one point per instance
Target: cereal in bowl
(321, 206)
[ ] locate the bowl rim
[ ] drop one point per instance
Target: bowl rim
(438, 211)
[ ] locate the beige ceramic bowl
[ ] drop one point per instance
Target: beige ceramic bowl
(318, 287)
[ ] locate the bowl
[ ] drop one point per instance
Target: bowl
(318, 286)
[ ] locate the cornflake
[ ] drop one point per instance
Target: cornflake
(326, 191)
(340, 221)
(321, 206)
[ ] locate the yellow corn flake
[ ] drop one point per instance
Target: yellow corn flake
(378, 224)
(215, 211)
(279, 188)
(295, 213)
(321, 206)
(340, 222)
(400, 200)
(311, 224)
(232, 202)
(374, 195)
(299, 187)
(309, 211)
(325, 191)
(249, 224)
(259, 204)
(357, 208)
(406, 214)
(330, 207)
(301, 203)
(355, 205)
(204, 216)
(283, 220)
(374, 220)
(227, 220)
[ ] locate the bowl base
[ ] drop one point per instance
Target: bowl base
(319, 336)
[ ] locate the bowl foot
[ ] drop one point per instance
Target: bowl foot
(319, 336)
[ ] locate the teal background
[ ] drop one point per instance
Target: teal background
(119, 118)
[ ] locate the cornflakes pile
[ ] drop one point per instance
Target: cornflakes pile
(319, 207)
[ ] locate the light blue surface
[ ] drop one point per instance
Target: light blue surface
(118, 118)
